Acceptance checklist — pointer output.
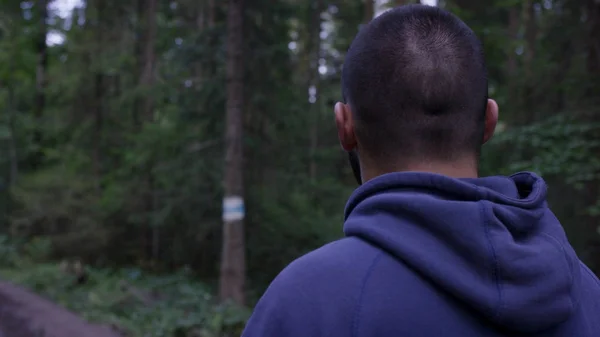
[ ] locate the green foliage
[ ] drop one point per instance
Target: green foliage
(38, 249)
(135, 303)
(559, 145)
(9, 254)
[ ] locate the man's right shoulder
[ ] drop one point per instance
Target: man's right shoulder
(335, 272)
(317, 294)
(335, 262)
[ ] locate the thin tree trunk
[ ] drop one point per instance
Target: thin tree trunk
(97, 133)
(233, 264)
(211, 13)
(138, 55)
(144, 113)
(530, 36)
(369, 10)
(531, 32)
(148, 80)
(205, 14)
(593, 68)
(146, 56)
(147, 77)
(511, 66)
(314, 54)
(511, 55)
(202, 22)
(12, 144)
(593, 46)
(406, 2)
(40, 87)
(98, 93)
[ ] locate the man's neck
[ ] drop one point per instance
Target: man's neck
(466, 168)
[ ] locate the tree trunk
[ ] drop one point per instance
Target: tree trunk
(40, 87)
(204, 19)
(511, 55)
(592, 90)
(406, 2)
(145, 113)
(233, 264)
(12, 143)
(98, 93)
(473, 6)
(211, 13)
(146, 57)
(147, 75)
(313, 51)
(531, 32)
(593, 45)
(369, 10)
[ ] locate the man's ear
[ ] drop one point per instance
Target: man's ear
(345, 126)
(491, 120)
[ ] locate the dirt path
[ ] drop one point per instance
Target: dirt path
(24, 314)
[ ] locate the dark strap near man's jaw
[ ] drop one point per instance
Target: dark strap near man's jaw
(353, 158)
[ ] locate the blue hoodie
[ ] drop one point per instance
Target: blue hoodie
(426, 255)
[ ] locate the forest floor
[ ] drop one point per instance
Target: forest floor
(37, 297)
(24, 314)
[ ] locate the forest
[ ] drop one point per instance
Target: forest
(125, 124)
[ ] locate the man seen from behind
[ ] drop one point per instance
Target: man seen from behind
(430, 249)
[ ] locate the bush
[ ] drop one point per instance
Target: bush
(137, 304)
(8, 252)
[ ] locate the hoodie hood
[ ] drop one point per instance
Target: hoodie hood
(491, 242)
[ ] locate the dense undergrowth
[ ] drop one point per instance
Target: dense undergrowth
(133, 302)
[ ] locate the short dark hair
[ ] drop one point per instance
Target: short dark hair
(416, 81)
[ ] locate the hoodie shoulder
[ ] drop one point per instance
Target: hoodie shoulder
(316, 295)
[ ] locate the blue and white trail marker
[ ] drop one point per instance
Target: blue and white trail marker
(233, 208)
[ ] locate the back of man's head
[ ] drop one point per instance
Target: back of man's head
(415, 80)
